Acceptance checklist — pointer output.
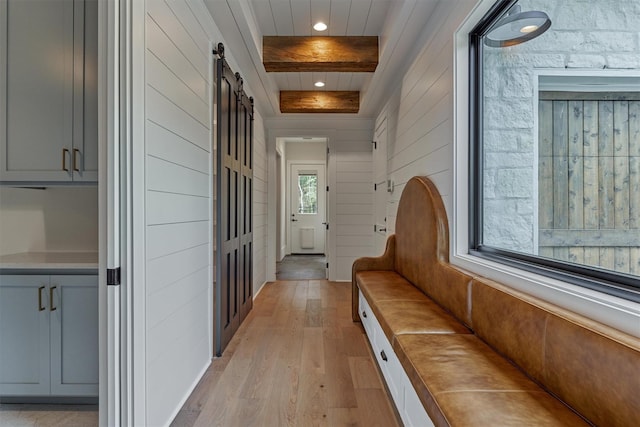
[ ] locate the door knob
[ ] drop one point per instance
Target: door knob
(293, 219)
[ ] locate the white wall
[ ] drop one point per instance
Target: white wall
(178, 178)
(280, 186)
(52, 219)
(306, 151)
(353, 220)
(420, 112)
(260, 205)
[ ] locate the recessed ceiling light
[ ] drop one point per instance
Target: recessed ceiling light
(319, 84)
(320, 26)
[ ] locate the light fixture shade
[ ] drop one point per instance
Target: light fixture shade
(517, 28)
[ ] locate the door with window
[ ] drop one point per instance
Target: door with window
(307, 208)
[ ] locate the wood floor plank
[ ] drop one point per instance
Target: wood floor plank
(297, 360)
(374, 407)
(313, 313)
(363, 372)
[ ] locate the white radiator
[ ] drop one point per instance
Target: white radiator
(307, 237)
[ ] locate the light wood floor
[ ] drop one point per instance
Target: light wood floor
(13, 415)
(297, 360)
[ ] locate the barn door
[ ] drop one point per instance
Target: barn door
(589, 146)
(234, 145)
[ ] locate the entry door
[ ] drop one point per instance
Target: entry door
(307, 208)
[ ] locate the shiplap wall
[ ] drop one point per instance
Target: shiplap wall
(354, 210)
(259, 204)
(177, 171)
(420, 111)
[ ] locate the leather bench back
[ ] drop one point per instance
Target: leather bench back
(422, 248)
(593, 368)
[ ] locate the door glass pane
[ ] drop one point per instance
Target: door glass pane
(308, 191)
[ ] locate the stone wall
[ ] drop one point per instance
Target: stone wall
(585, 34)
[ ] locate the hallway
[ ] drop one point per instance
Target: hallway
(297, 360)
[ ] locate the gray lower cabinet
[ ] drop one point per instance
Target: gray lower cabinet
(48, 335)
(48, 91)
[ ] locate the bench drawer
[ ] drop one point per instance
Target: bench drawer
(402, 392)
(413, 413)
(368, 318)
(391, 367)
(385, 356)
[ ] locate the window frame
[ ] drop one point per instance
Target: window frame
(617, 284)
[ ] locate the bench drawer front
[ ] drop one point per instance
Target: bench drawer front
(413, 413)
(390, 366)
(385, 356)
(368, 320)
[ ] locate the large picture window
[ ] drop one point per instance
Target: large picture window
(555, 140)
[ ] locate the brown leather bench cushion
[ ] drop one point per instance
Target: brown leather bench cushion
(401, 308)
(461, 381)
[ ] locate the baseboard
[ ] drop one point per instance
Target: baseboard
(187, 395)
(255, 295)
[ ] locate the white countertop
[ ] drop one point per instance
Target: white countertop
(50, 260)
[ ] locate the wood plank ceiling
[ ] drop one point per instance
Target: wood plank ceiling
(343, 18)
(402, 26)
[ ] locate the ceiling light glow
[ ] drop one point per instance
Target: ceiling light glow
(320, 26)
(319, 84)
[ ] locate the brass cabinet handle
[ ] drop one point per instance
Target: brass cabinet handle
(75, 159)
(51, 306)
(65, 152)
(40, 307)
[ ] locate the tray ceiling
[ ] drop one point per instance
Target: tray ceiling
(397, 23)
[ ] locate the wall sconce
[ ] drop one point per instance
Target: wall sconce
(517, 27)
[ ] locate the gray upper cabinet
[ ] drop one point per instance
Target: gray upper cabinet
(48, 88)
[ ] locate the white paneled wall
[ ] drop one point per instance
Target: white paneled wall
(420, 112)
(259, 204)
(178, 180)
(353, 209)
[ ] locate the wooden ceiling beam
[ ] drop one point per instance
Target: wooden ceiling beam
(308, 101)
(318, 54)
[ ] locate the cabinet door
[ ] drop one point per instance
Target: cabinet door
(85, 139)
(74, 336)
(24, 336)
(37, 84)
